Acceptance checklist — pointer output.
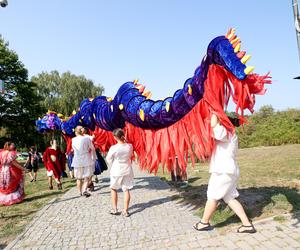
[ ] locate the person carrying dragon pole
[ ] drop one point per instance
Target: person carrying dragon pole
(224, 177)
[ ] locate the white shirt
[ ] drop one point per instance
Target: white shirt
(83, 148)
(93, 153)
(119, 158)
(223, 159)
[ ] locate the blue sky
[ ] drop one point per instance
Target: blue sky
(160, 42)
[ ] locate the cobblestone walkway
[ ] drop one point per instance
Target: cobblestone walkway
(157, 221)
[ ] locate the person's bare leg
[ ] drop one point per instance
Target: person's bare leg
(30, 174)
(237, 207)
(50, 182)
(126, 200)
(114, 199)
(210, 208)
(85, 184)
(79, 185)
(35, 175)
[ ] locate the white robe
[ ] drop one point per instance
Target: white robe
(83, 152)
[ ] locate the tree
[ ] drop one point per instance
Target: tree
(266, 110)
(19, 104)
(64, 93)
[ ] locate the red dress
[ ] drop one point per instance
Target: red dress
(11, 179)
(52, 161)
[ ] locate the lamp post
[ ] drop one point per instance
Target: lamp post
(3, 3)
(297, 26)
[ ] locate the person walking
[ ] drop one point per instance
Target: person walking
(121, 174)
(32, 163)
(11, 176)
(82, 163)
(51, 159)
(224, 177)
(84, 132)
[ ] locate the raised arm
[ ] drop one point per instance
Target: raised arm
(219, 131)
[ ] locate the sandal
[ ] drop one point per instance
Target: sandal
(86, 194)
(114, 212)
(206, 228)
(125, 214)
(251, 229)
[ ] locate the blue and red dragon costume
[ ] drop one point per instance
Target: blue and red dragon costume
(177, 126)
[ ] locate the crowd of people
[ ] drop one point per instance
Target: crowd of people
(84, 161)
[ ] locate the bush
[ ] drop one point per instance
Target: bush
(270, 128)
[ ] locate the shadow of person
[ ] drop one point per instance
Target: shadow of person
(256, 199)
(3, 246)
(139, 207)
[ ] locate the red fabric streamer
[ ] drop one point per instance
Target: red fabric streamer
(191, 136)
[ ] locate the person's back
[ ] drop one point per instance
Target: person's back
(121, 173)
(223, 159)
(120, 159)
(81, 146)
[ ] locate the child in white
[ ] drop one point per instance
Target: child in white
(121, 173)
(223, 180)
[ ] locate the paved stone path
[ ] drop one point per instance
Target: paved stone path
(157, 221)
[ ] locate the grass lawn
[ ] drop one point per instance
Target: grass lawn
(13, 219)
(269, 184)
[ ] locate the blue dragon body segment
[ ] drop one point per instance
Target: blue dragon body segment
(132, 103)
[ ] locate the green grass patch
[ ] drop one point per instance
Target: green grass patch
(279, 218)
(13, 219)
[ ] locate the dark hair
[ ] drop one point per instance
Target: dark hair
(119, 134)
(32, 148)
(85, 130)
(52, 141)
(234, 121)
(7, 145)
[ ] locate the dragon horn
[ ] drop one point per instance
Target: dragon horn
(245, 59)
(237, 48)
(241, 54)
(248, 70)
(142, 89)
(235, 40)
(167, 106)
(190, 90)
(142, 115)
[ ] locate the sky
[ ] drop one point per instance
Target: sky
(159, 42)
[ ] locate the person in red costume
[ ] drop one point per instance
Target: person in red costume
(53, 164)
(11, 176)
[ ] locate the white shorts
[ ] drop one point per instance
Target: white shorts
(125, 182)
(84, 172)
(222, 186)
(50, 173)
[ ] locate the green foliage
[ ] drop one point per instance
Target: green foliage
(270, 128)
(64, 92)
(19, 104)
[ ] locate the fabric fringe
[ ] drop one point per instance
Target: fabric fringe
(190, 137)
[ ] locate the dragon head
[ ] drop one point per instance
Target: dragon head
(225, 51)
(51, 121)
